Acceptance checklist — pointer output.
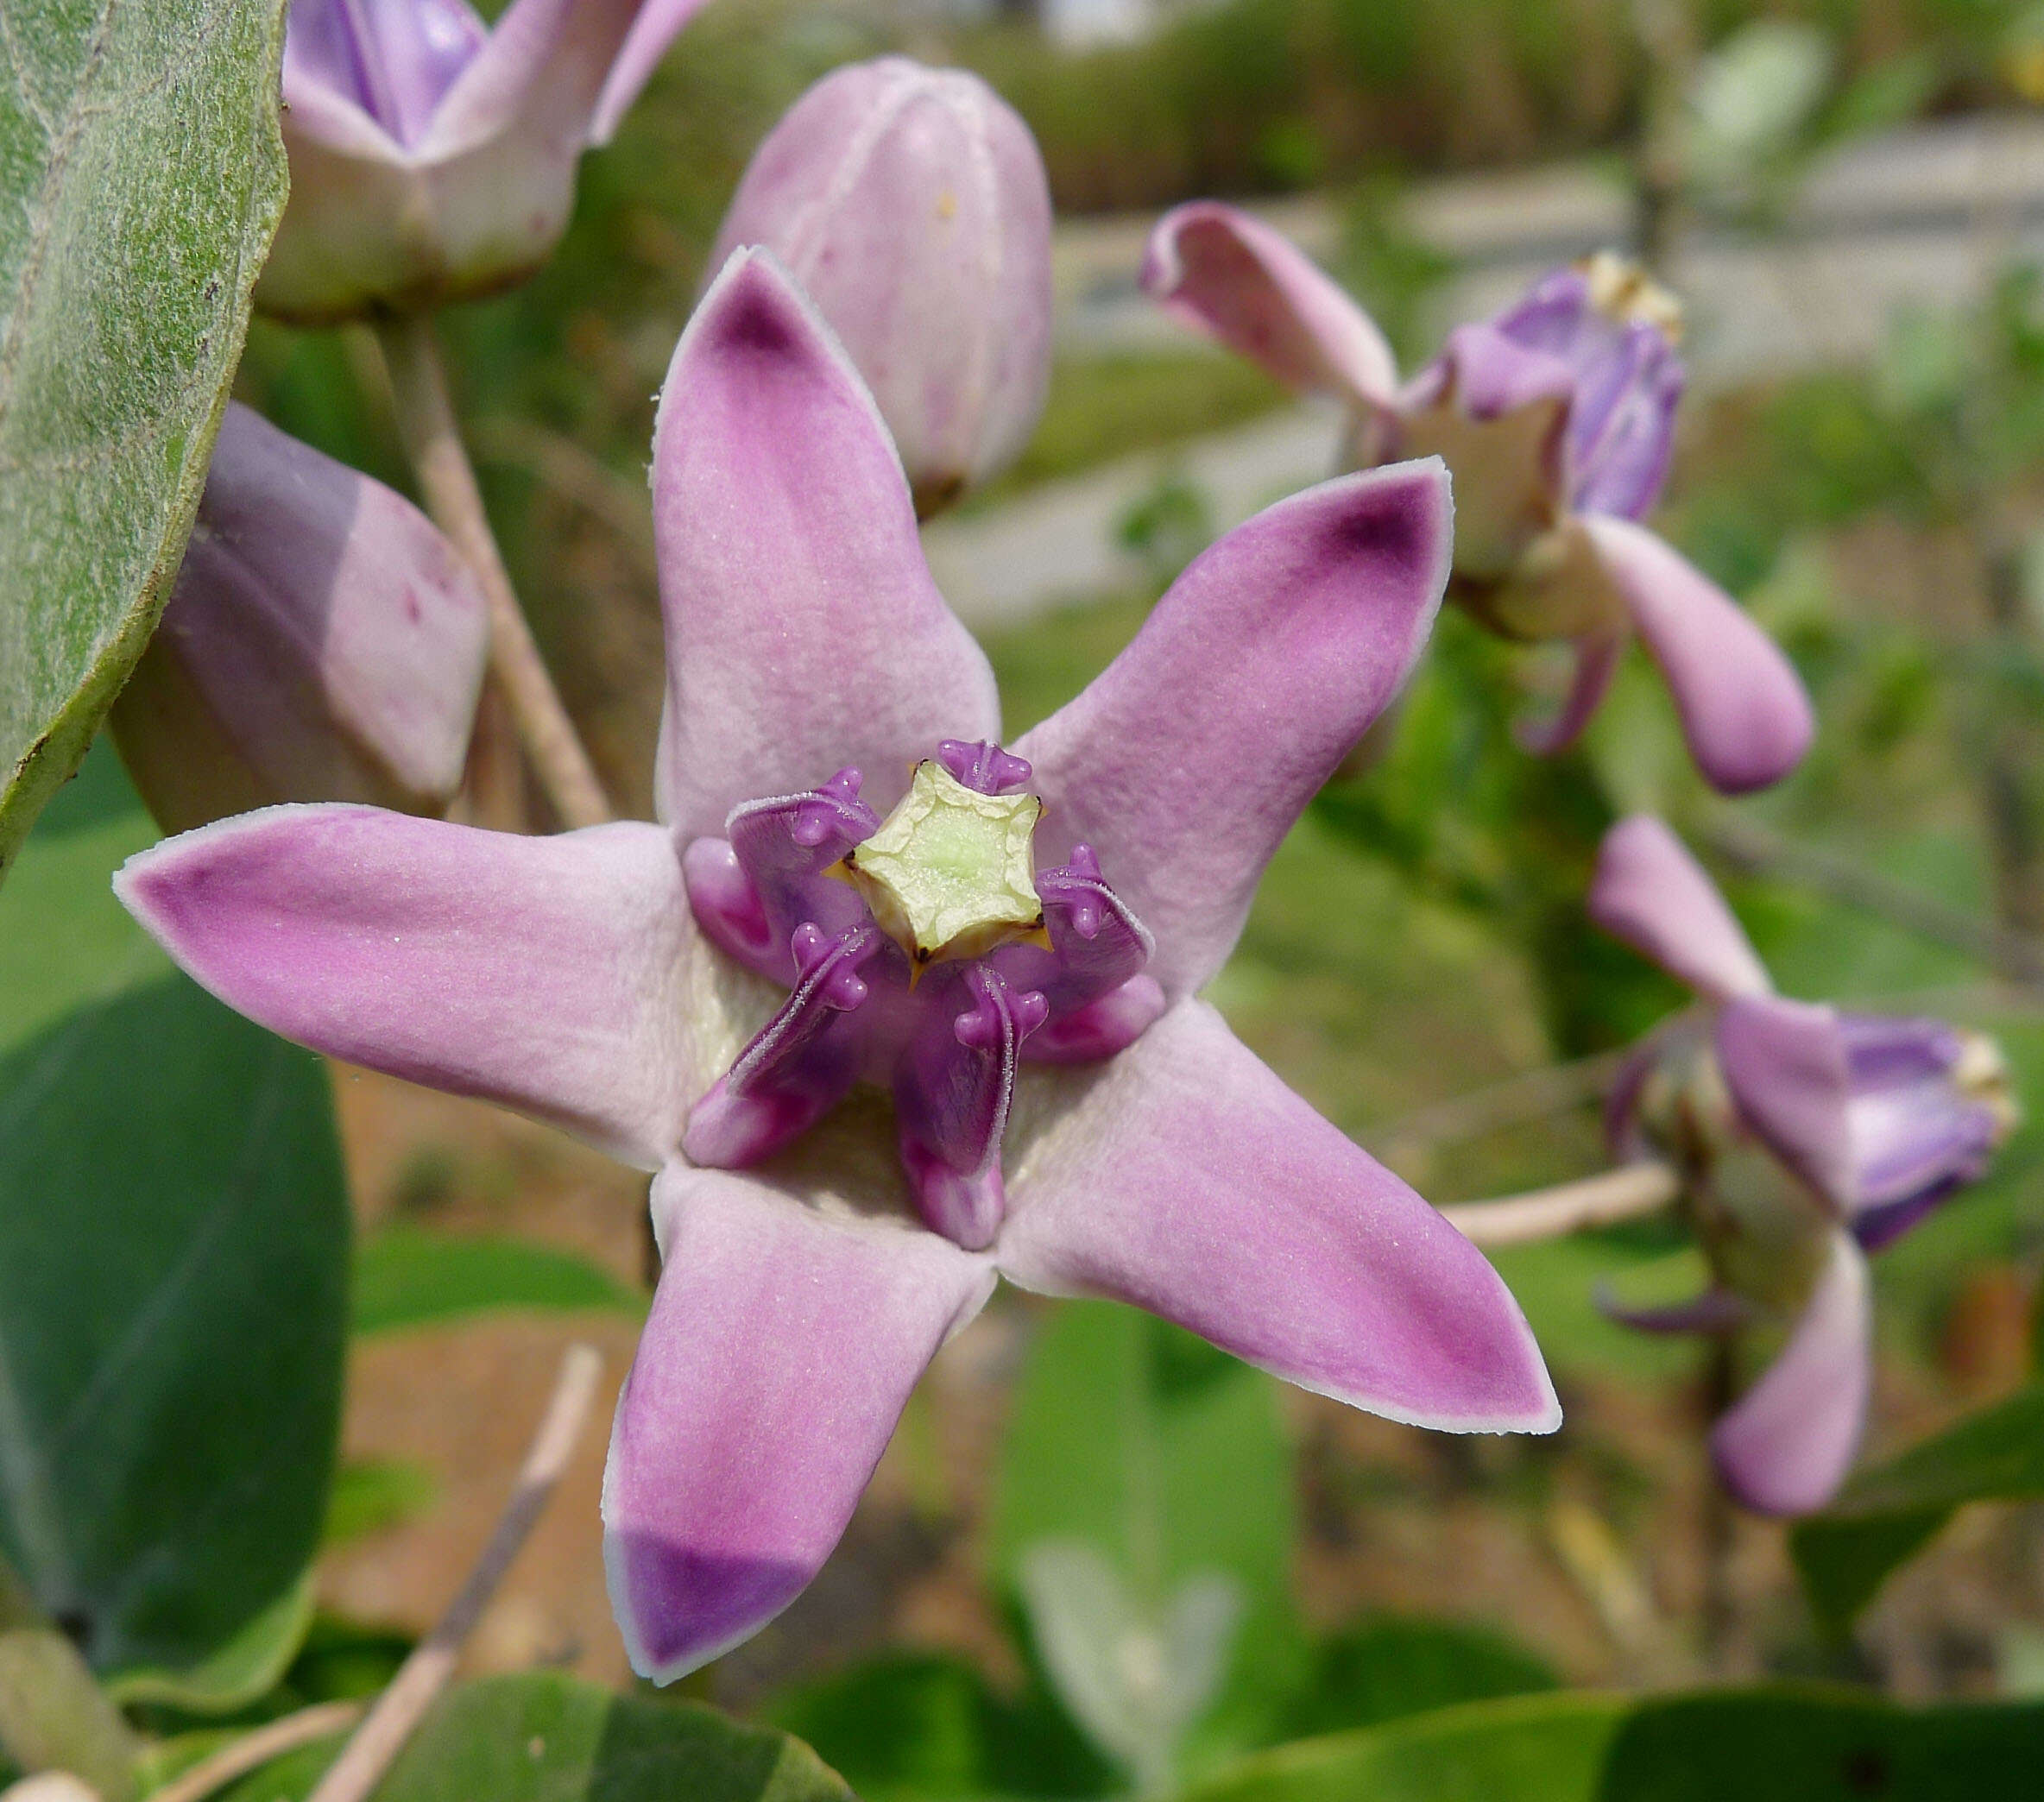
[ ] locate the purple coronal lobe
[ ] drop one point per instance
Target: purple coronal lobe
(1628, 380)
(985, 767)
(947, 1037)
(395, 59)
(1917, 1134)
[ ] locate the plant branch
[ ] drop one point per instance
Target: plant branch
(422, 1676)
(432, 439)
(1753, 849)
(1625, 1193)
(254, 1750)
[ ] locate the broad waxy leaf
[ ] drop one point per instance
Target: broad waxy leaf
(1777, 1744)
(174, 1255)
(1883, 1515)
(142, 177)
(1168, 1458)
(542, 1737)
(407, 1277)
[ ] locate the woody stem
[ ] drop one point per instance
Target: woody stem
(432, 439)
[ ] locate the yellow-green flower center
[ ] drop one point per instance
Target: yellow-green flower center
(950, 873)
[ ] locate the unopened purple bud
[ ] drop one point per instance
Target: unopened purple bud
(323, 643)
(912, 205)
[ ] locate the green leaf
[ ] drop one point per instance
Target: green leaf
(173, 1244)
(64, 939)
(1387, 1665)
(1131, 1437)
(1883, 1515)
(916, 1724)
(1776, 1744)
(241, 1671)
(142, 177)
(408, 1277)
(372, 1494)
(542, 1737)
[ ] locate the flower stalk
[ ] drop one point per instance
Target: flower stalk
(1625, 1194)
(432, 440)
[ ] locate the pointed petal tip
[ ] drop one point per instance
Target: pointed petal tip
(1650, 892)
(678, 1608)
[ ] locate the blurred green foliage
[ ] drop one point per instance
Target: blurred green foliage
(1266, 96)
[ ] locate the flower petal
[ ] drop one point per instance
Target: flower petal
(1186, 1178)
(536, 79)
(1784, 1063)
(645, 44)
(1743, 707)
(803, 631)
(1713, 1310)
(1188, 759)
(1650, 892)
(547, 974)
(1228, 274)
(1597, 657)
(782, 1345)
(1786, 1445)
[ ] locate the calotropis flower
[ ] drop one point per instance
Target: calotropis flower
(911, 205)
(1805, 1137)
(323, 642)
(433, 156)
(886, 1035)
(1557, 418)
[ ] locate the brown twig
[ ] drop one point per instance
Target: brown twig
(1625, 1193)
(2015, 956)
(432, 439)
(254, 1750)
(422, 1676)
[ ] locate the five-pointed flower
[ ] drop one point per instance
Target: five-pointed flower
(1804, 1137)
(1557, 418)
(433, 156)
(876, 1065)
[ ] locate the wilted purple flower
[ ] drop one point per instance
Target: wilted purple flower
(324, 642)
(702, 998)
(1873, 1120)
(911, 205)
(1556, 419)
(433, 156)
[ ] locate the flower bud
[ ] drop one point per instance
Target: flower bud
(323, 643)
(912, 205)
(433, 156)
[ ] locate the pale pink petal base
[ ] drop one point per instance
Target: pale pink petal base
(547, 974)
(1784, 1063)
(1650, 892)
(1785, 1448)
(782, 1347)
(1187, 1178)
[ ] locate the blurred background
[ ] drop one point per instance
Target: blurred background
(1848, 195)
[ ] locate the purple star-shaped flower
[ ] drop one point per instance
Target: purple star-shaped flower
(1877, 1119)
(884, 1032)
(433, 156)
(1557, 418)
